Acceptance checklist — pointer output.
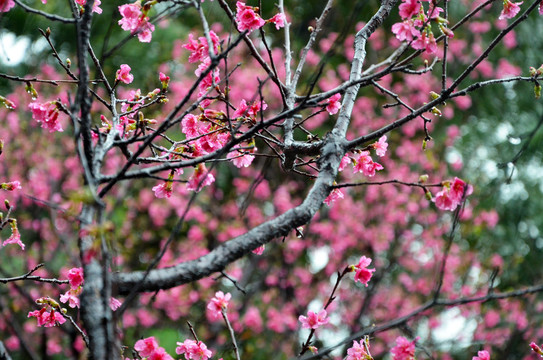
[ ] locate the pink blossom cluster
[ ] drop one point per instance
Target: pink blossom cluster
(247, 18)
(217, 304)
(452, 194)
(404, 349)
(365, 164)
(135, 20)
(199, 49)
(193, 350)
(416, 25)
(148, 348)
(314, 320)
(362, 273)
(47, 115)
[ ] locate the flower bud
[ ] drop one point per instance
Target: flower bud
(424, 144)
(533, 71)
(436, 111)
(434, 95)
(428, 196)
(48, 32)
(68, 62)
(537, 91)
(30, 89)
(310, 29)
(423, 179)
(313, 349)
(6, 203)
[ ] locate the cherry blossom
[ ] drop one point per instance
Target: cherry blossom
(409, 8)
(95, 7)
(404, 349)
(75, 278)
(405, 31)
(199, 49)
(6, 5)
(47, 319)
(510, 9)
(47, 115)
(362, 273)
(425, 42)
(333, 104)
(218, 303)
(279, 20)
(145, 347)
(72, 297)
(381, 146)
(163, 190)
(313, 320)
(259, 250)
(482, 355)
(357, 352)
(200, 178)
(333, 196)
(134, 20)
(15, 237)
(366, 165)
(114, 304)
(123, 74)
(193, 350)
(246, 18)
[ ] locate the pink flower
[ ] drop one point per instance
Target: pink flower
(247, 19)
(366, 165)
(444, 201)
(427, 43)
(363, 274)
(190, 126)
(409, 8)
(333, 104)
(71, 296)
(193, 350)
(160, 354)
(346, 160)
(357, 351)
(47, 115)
(123, 74)
(381, 146)
(510, 10)
(313, 321)
(163, 190)
(47, 319)
(404, 349)
(259, 250)
(6, 5)
(279, 20)
(241, 157)
(75, 278)
(482, 355)
(458, 187)
(95, 6)
(200, 49)
(131, 14)
(134, 20)
(10, 186)
(146, 347)
(405, 30)
(200, 178)
(15, 237)
(333, 196)
(114, 304)
(218, 303)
